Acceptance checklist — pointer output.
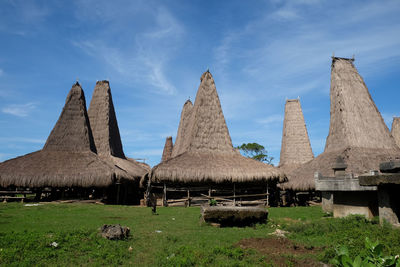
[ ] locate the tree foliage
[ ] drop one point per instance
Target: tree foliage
(255, 151)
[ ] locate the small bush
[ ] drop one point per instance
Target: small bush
(212, 202)
(371, 256)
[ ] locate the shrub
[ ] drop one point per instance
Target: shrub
(371, 256)
(212, 202)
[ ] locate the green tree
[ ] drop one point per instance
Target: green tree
(255, 151)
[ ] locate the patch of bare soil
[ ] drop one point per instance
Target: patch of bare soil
(281, 251)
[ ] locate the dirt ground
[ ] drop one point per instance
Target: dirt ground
(281, 251)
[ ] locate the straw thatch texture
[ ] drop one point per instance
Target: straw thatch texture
(355, 119)
(167, 149)
(210, 155)
(72, 131)
(296, 147)
(194, 167)
(357, 131)
(207, 130)
(68, 157)
(180, 142)
(142, 164)
(396, 130)
(104, 125)
(104, 122)
(56, 169)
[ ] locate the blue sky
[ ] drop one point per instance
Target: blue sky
(154, 52)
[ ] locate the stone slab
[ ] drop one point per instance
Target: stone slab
(379, 179)
(390, 166)
(340, 184)
(234, 216)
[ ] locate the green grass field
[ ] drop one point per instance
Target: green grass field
(175, 237)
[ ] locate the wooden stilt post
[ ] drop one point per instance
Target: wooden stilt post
(38, 195)
(118, 191)
(267, 195)
(165, 203)
(125, 194)
(234, 195)
(188, 198)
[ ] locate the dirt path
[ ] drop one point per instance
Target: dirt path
(281, 251)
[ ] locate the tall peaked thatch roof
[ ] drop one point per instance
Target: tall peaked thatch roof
(168, 147)
(104, 122)
(357, 131)
(395, 131)
(72, 131)
(104, 125)
(355, 119)
(296, 147)
(67, 159)
(180, 142)
(209, 154)
(207, 127)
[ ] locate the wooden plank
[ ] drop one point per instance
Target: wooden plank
(16, 192)
(216, 198)
(238, 196)
(177, 200)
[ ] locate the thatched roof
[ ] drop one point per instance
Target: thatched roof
(396, 130)
(104, 125)
(143, 164)
(358, 160)
(72, 131)
(357, 131)
(296, 147)
(104, 122)
(67, 159)
(180, 142)
(355, 119)
(167, 149)
(209, 155)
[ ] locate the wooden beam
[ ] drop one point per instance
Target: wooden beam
(165, 202)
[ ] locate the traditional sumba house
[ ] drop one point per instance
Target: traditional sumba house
(208, 160)
(68, 162)
(296, 148)
(180, 142)
(396, 130)
(168, 147)
(357, 131)
(104, 125)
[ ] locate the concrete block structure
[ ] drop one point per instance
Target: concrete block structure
(343, 195)
(388, 185)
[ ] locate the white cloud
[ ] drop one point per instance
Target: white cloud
(296, 60)
(146, 154)
(23, 17)
(275, 118)
(143, 56)
(22, 140)
(286, 13)
(130, 136)
(19, 110)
